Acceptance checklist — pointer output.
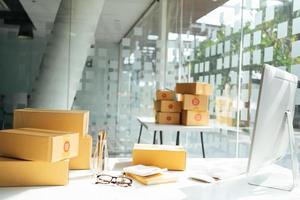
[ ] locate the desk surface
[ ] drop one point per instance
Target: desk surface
(81, 186)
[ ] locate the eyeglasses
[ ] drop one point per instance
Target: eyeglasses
(122, 180)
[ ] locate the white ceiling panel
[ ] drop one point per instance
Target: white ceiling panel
(117, 18)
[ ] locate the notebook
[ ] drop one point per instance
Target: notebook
(154, 179)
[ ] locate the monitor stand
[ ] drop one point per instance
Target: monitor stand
(285, 180)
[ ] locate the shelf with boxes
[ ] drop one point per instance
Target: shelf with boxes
(43, 146)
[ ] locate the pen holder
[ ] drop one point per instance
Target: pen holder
(100, 157)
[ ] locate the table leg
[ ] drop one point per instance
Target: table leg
(141, 129)
(154, 138)
(161, 137)
(202, 144)
(178, 138)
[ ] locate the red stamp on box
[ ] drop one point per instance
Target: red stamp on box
(164, 95)
(169, 118)
(195, 102)
(67, 146)
(170, 106)
(197, 117)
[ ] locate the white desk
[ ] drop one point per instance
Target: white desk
(81, 186)
(150, 125)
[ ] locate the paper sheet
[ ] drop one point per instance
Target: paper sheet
(246, 58)
(268, 54)
(257, 56)
(295, 49)
(247, 39)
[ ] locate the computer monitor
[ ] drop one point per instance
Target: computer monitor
(273, 130)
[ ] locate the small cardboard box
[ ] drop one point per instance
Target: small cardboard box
(168, 106)
(83, 160)
(194, 88)
(167, 118)
(58, 120)
(195, 102)
(163, 156)
(165, 95)
(195, 118)
(14, 172)
(38, 145)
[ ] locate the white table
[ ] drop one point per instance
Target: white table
(81, 186)
(150, 125)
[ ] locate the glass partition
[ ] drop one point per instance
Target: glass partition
(56, 62)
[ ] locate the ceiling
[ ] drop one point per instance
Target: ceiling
(117, 18)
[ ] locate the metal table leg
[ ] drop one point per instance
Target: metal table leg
(202, 144)
(161, 137)
(141, 129)
(154, 138)
(177, 137)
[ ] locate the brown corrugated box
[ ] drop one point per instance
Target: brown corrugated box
(14, 172)
(167, 118)
(194, 88)
(195, 118)
(57, 120)
(38, 145)
(195, 102)
(168, 106)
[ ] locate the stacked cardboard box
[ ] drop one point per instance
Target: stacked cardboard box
(43, 146)
(70, 121)
(224, 111)
(167, 107)
(195, 103)
(31, 157)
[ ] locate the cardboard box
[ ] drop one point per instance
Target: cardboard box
(195, 102)
(58, 120)
(195, 118)
(194, 88)
(83, 160)
(38, 145)
(165, 95)
(14, 172)
(167, 118)
(168, 106)
(163, 156)
(179, 97)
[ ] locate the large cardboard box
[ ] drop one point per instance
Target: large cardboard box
(195, 102)
(38, 145)
(194, 88)
(57, 120)
(195, 118)
(168, 106)
(83, 160)
(167, 118)
(163, 156)
(165, 95)
(14, 172)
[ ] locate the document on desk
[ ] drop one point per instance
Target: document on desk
(219, 170)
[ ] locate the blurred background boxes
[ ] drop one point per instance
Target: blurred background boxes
(195, 102)
(165, 95)
(196, 118)
(194, 88)
(167, 118)
(168, 106)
